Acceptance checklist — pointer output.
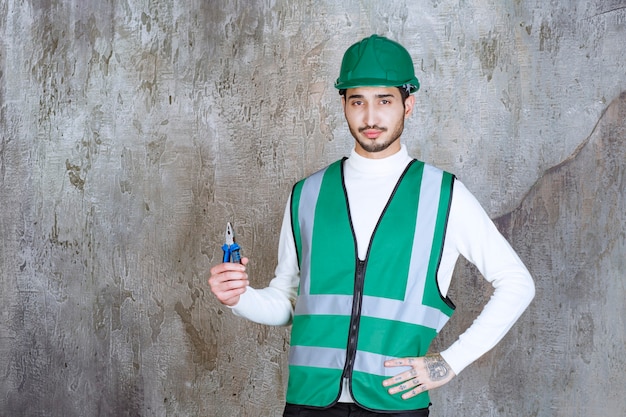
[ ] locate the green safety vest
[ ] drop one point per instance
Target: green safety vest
(352, 315)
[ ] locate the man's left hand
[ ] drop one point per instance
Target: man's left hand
(428, 372)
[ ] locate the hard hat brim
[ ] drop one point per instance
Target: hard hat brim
(375, 82)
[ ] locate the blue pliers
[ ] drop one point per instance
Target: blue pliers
(230, 248)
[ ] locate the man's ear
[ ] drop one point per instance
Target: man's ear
(409, 103)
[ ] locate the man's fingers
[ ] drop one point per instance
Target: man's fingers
(405, 385)
(231, 276)
(401, 362)
(229, 296)
(228, 266)
(227, 272)
(415, 391)
(403, 376)
(233, 284)
(426, 373)
(228, 281)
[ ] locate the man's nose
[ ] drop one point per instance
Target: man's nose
(369, 116)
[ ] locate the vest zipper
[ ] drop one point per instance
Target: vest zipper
(359, 279)
(355, 319)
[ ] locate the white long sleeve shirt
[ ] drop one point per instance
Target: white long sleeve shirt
(470, 233)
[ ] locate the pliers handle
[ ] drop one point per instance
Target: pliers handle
(230, 248)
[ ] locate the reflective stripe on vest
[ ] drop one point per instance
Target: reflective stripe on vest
(400, 310)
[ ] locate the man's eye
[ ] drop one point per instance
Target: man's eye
(384, 102)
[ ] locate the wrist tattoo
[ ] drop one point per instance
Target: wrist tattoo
(438, 368)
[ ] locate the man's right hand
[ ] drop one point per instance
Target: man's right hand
(228, 281)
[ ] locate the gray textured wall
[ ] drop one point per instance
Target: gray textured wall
(131, 131)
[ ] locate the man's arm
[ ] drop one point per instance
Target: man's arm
(475, 237)
(471, 233)
(272, 305)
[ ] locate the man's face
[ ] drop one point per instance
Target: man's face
(375, 116)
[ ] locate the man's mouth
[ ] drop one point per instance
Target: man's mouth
(372, 132)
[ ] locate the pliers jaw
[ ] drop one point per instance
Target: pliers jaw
(230, 248)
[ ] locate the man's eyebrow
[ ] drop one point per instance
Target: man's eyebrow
(377, 96)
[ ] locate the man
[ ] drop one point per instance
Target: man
(366, 254)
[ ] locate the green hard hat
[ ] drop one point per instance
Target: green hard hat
(377, 62)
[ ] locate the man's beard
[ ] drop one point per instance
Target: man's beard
(373, 146)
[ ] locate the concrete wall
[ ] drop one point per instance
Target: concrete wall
(131, 131)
